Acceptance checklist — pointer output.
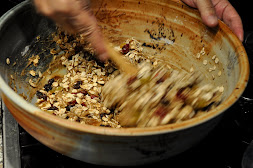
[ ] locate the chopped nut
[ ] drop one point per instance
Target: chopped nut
(205, 62)
(32, 83)
(198, 56)
(53, 51)
(105, 119)
(219, 73)
(212, 68)
(192, 69)
(221, 89)
(8, 61)
(40, 74)
(35, 60)
(202, 52)
(101, 82)
(213, 76)
(55, 84)
(74, 90)
(78, 100)
(32, 72)
(216, 60)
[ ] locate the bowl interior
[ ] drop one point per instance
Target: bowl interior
(169, 30)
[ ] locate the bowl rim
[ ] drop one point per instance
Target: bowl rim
(12, 96)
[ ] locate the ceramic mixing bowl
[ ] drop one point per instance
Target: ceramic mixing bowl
(180, 39)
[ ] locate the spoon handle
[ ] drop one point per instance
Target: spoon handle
(122, 63)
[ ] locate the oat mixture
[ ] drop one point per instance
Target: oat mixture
(80, 95)
(158, 96)
(77, 95)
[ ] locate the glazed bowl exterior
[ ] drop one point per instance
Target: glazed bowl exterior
(179, 36)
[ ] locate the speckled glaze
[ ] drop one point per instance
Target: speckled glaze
(160, 22)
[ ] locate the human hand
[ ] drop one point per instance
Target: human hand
(74, 16)
(212, 10)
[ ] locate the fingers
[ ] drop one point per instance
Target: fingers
(211, 10)
(207, 12)
(236, 27)
(86, 24)
(75, 16)
(206, 9)
(228, 14)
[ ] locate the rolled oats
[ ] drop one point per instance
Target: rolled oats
(191, 70)
(202, 52)
(219, 73)
(77, 95)
(198, 56)
(32, 72)
(32, 83)
(216, 60)
(8, 61)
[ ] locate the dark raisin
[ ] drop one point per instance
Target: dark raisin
(50, 81)
(78, 49)
(102, 125)
(208, 107)
(131, 80)
(52, 108)
(70, 57)
(162, 79)
(70, 104)
(62, 33)
(84, 92)
(89, 116)
(83, 104)
(70, 38)
(102, 115)
(125, 49)
(68, 107)
(87, 54)
(93, 96)
(73, 102)
(48, 87)
(180, 94)
(165, 102)
(161, 112)
(77, 85)
(41, 95)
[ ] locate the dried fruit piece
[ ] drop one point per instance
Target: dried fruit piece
(48, 86)
(41, 95)
(52, 108)
(77, 85)
(8, 61)
(125, 49)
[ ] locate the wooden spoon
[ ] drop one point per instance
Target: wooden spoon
(122, 63)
